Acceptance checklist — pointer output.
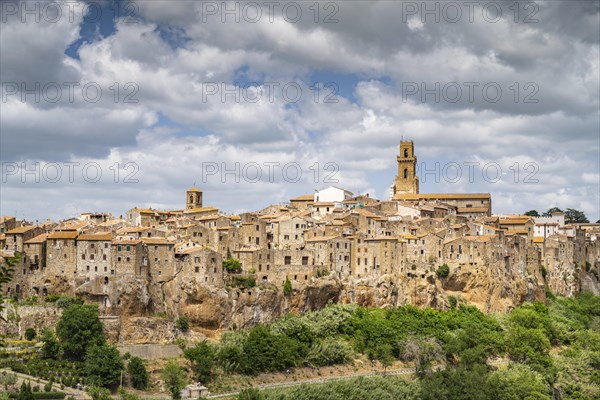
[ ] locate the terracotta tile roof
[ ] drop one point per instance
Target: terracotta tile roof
(105, 236)
(538, 239)
(157, 240)
(63, 235)
(194, 190)
(6, 218)
(21, 229)
(202, 209)
(304, 197)
(36, 240)
(472, 209)
(126, 241)
(431, 196)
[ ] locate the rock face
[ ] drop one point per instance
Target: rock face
(141, 312)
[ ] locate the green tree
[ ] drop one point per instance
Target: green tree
(456, 383)
(51, 347)
(7, 269)
(517, 382)
(552, 210)
(174, 379)
(25, 393)
(384, 353)
(79, 328)
(232, 266)
(103, 365)
(99, 393)
(30, 334)
(443, 271)
(532, 213)
(202, 357)
(529, 346)
(573, 216)
(183, 324)
(267, 351)
(138, 373)
(287, 287)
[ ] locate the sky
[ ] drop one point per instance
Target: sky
(110, 105)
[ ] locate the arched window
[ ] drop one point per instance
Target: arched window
(191, 198)
(405, 173)
(405, 153)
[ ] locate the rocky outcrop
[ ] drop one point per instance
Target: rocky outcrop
(138, 311)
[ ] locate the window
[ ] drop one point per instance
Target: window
(128, 259)
(96, 269)
(287, 260)
(197, 269)
(405, 173)
(91, 256)
(104, 257)
(118, 258)
(304, 260)
(405, 153)
(128, 248)
(119, 248)
(87, 267)
(83, 256)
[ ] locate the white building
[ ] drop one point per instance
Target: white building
(548, 226)
(332, 194)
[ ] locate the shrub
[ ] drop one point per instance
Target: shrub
(250, 394)
(51, 298)
(183, 324)
(443, 271)
(287, 287)
(453, 301)
(65, 302)
(30, 334)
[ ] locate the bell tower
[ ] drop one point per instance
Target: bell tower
(193, 198)
(406, 181)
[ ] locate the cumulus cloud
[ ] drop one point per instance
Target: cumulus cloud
(181, 89)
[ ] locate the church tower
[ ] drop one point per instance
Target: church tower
(193, 198)
(406, 181)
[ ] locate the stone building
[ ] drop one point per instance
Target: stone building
(94, 256)
(61, 253)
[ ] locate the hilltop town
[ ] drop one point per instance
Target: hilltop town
(224, 271)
